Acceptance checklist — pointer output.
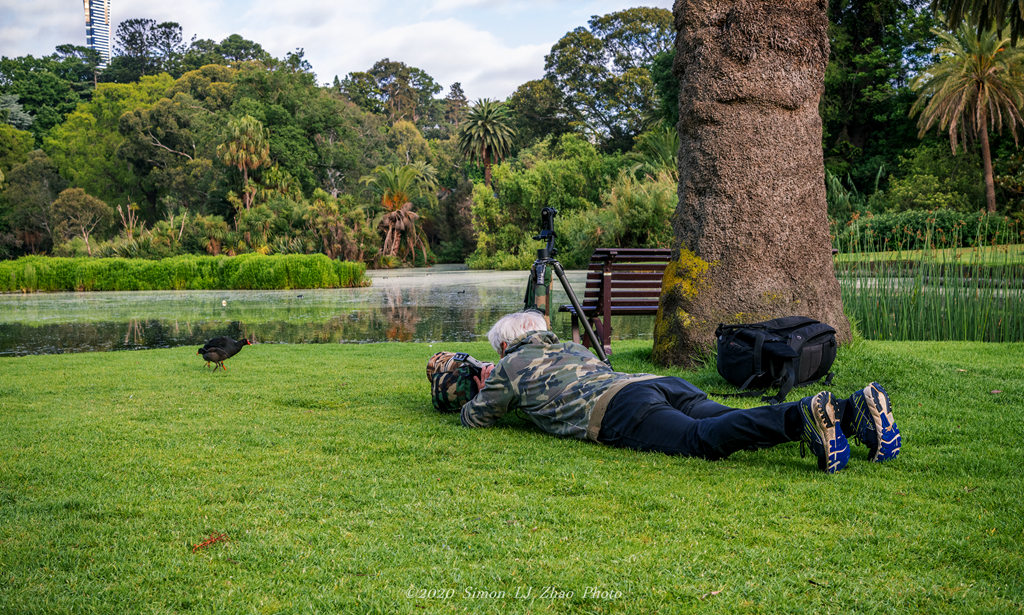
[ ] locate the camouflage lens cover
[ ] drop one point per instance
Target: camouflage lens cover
(451, 381)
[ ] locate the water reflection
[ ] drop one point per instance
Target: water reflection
(436, 304)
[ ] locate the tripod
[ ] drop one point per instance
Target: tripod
(539, 282)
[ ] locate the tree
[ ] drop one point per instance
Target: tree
(232, 51)
(76, 214)
(88, 146)
(247, 150)
(43, 88)
(12, 113)
(975, 87)
(537, 112)
(486, 134)
(14, 147)
(145, 47)
(984, 14)
(398, 91)
(25, 203)
(398, 185)
(751, 232)
(603, 73)
(455, 105)
(875, 47)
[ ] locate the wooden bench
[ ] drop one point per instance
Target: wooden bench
(620, 282)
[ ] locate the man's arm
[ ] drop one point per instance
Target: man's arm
(493, 400)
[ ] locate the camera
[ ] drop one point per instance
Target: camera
(475, 366)
(547, 223)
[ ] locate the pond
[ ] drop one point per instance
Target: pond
(436, 304)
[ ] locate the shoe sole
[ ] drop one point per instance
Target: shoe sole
(876, 403)
(823, 415)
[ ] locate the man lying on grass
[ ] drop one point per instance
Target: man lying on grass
(567, 391)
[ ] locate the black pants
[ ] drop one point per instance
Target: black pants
(672, 416)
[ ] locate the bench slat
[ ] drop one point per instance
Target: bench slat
(629, 278)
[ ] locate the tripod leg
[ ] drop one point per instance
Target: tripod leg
(596, 343)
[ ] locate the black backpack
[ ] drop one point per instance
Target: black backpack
(784, 352)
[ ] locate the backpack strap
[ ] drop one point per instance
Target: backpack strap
(785, 386)
(758, 348)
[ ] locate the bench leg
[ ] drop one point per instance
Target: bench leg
(575, 328)
(603, 333)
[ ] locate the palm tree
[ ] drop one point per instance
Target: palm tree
(983, 13)
(246, 149)
(486, 134)
(397, 186)
(975, 87)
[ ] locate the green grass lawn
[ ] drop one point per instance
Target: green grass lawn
(340, 490)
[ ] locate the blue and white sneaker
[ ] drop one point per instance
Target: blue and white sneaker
(873, 423)
(822, 432)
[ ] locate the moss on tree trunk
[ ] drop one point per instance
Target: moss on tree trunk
(751, 174)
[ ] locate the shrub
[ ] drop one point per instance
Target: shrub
(250, 271)
(915, 229)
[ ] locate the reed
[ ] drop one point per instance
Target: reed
(245, 272)
(935, 283)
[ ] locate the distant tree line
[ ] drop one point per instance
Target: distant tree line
(210, 147)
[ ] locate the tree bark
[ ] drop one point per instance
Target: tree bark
(487, 167)
(986, 159)
(751, 173)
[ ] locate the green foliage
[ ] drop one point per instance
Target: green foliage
(635, 214)
(250, 271)
(486, 134)
(916, 229)
(931, 177)
(975, 88)
(231, 51)
(500, 244)
(25, 204)
(630, 212)
(77, 214)
(876, 46)
(395, 90)
(603, 73)
(12, 113)
(1003, 14)
(87, 146)
(48, 88)
(145, 47)
(537, 113)
(666, 86)
(14, 148)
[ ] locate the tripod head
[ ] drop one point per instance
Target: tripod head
(547, 233)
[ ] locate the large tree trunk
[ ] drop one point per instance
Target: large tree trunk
(751, 174)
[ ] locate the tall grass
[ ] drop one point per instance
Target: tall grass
(924, 284)
(245, 272)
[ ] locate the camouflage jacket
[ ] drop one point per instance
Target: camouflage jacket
(556, 385)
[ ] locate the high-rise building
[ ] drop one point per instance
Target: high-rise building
(97, 28)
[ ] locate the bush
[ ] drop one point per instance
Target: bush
(250, 271)
(913, 230)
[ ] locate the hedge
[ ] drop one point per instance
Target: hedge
(917, 229)
(187, 272)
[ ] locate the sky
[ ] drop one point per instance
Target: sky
(489, 46)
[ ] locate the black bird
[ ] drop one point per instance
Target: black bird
(220, 349)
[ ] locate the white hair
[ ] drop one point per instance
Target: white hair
(509, 327)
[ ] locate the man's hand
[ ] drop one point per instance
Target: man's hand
(484, 373)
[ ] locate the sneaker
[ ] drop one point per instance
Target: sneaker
(873, 423)
(822, 432)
